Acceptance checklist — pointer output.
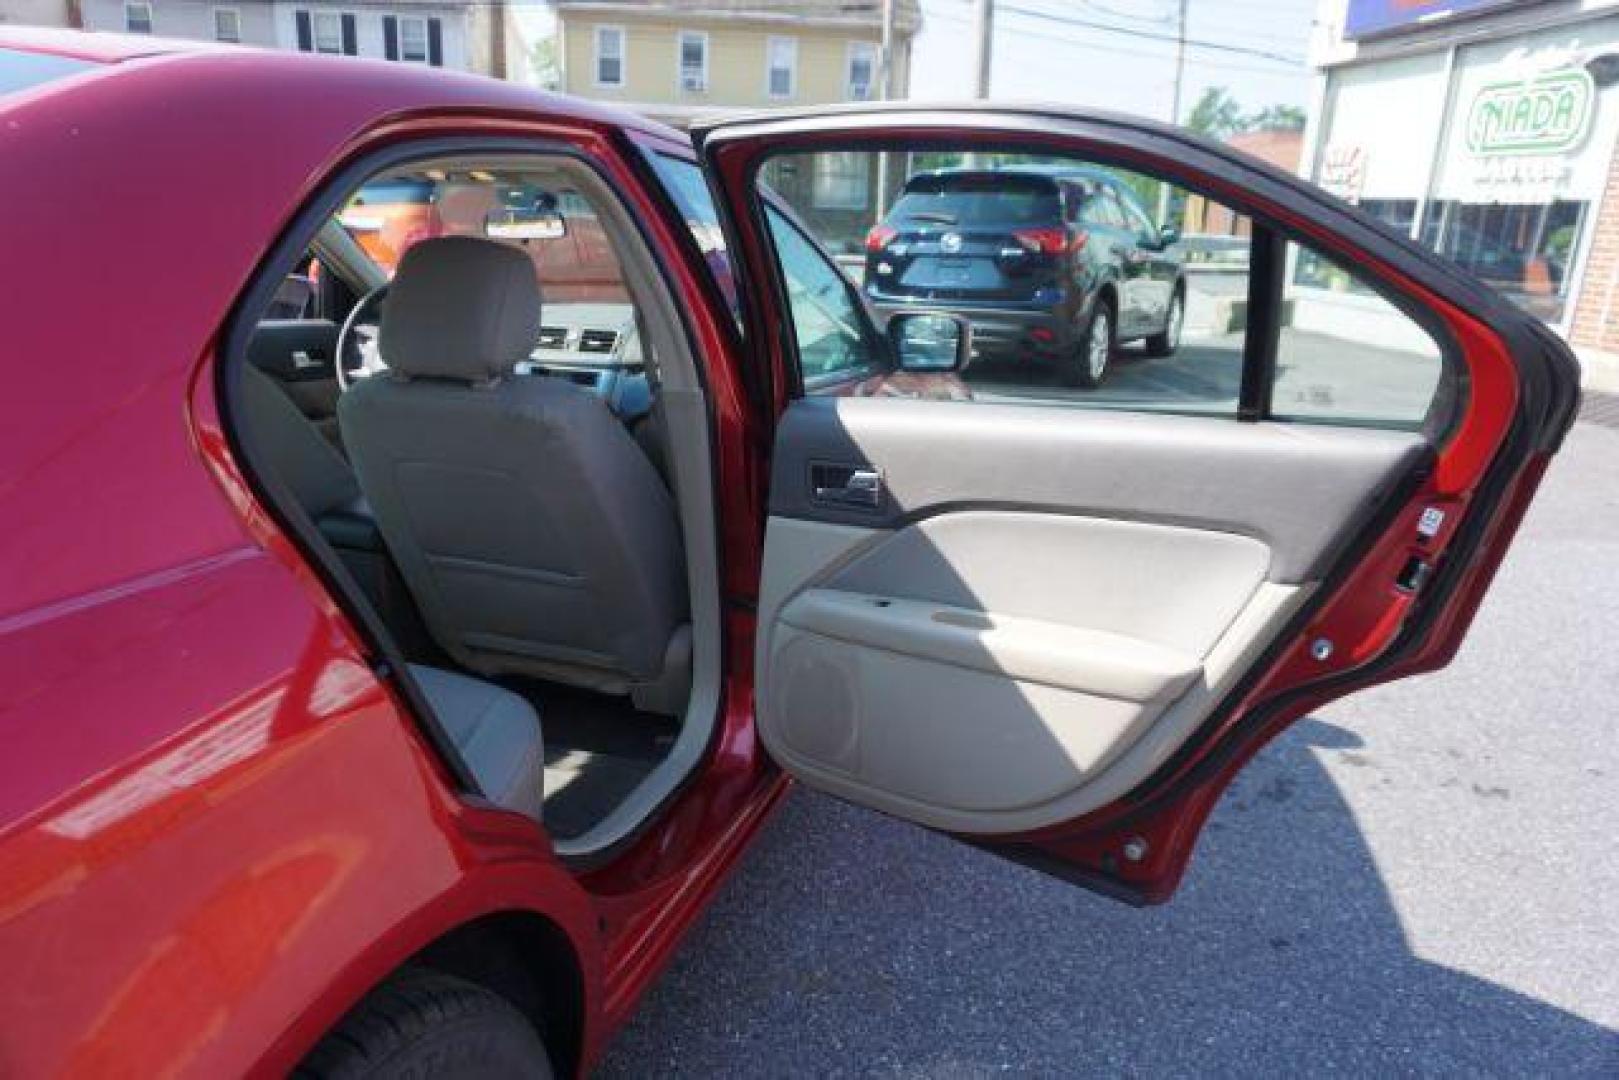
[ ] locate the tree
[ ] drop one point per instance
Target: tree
(1216, 114)
(1277, 118)
(1219, 115)
(547, 66)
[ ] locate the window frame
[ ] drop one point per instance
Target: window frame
(130, 7)
(236, 14)
(597, 33)
(427, 45)
(770, 66)
(334, 188)
(873, 52)
(316, 15)
(682, 37)
(1261, 342)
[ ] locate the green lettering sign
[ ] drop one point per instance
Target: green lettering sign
(1543, 115)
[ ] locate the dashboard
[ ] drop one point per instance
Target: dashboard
(593, 345)
(597, 346)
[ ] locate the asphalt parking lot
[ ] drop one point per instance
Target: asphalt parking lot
(1423, 878)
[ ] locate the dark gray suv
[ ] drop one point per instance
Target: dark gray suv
(1051, 265)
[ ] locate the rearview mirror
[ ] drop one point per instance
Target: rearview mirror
(526, 216)
(930, 341)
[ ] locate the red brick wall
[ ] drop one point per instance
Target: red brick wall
(1596, 310)
(1280, 148)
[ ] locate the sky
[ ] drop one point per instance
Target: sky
(1057, 50)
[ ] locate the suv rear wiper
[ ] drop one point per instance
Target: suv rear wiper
(934, 215)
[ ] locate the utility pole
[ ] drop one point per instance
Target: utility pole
(984, 27)
(1180, 64)
(1175, 104)
(886, 82)
(497, 38)
(885, 90)
(886, 93)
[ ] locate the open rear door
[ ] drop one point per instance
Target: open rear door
(1051, 602)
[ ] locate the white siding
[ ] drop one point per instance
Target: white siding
(368, 28)
(274, 25)
(33, 12)
(192, 19)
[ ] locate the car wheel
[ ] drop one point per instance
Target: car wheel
(1166, 343)
(423, 1024)
(1094, 350)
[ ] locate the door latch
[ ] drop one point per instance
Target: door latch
(1413, 574)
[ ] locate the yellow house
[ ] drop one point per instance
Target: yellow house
(679, 59)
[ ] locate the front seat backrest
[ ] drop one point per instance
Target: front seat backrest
(532, 531)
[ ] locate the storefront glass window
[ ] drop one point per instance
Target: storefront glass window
(1525, 251)
(1314, 271)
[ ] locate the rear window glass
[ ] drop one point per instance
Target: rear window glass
(21, 70)
(378, 192)
(990, 197)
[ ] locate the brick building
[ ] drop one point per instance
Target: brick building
(1486, 130)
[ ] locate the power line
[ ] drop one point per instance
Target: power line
(1223, 65)
(1129, 16)
(1168, 19)
(1150, 35)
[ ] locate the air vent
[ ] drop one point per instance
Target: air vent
(598, 341)
(553, 337)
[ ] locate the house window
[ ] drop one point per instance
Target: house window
(862, 71)
(609, 56)
(328, 32)
(693, 61)
(413, 40)
(138, 18)
(781, 56)
(842, 181)
(227, 25)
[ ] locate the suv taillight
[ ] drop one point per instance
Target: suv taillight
(878, 238)
(1048, 241)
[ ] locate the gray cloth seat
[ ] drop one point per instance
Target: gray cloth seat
(530, 528)
(496, 731)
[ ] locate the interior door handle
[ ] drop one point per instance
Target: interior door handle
(846, 485)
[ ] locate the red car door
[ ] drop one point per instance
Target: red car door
(1057, 633)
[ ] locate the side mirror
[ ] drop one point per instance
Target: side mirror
(1168, 236)
(930, 341)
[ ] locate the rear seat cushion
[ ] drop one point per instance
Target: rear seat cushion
(497, 732)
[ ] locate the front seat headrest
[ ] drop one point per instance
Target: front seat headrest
(460, 307)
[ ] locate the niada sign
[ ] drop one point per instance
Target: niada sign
(1546, 114)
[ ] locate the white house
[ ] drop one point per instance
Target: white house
(458, 34)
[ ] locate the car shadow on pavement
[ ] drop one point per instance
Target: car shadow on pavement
(849, 944)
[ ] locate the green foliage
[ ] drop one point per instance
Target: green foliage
(1219, 115)
(1216, 113)
(546, 64)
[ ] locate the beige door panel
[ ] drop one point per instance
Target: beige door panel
(1010, 669)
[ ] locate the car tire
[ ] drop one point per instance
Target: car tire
(424, 1024)
(1093, 351)
(1164, 344)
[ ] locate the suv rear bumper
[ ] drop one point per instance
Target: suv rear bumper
(1000, 332)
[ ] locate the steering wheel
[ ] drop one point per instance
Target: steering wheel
(357, 354)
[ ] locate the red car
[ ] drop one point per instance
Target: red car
(390, 686)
